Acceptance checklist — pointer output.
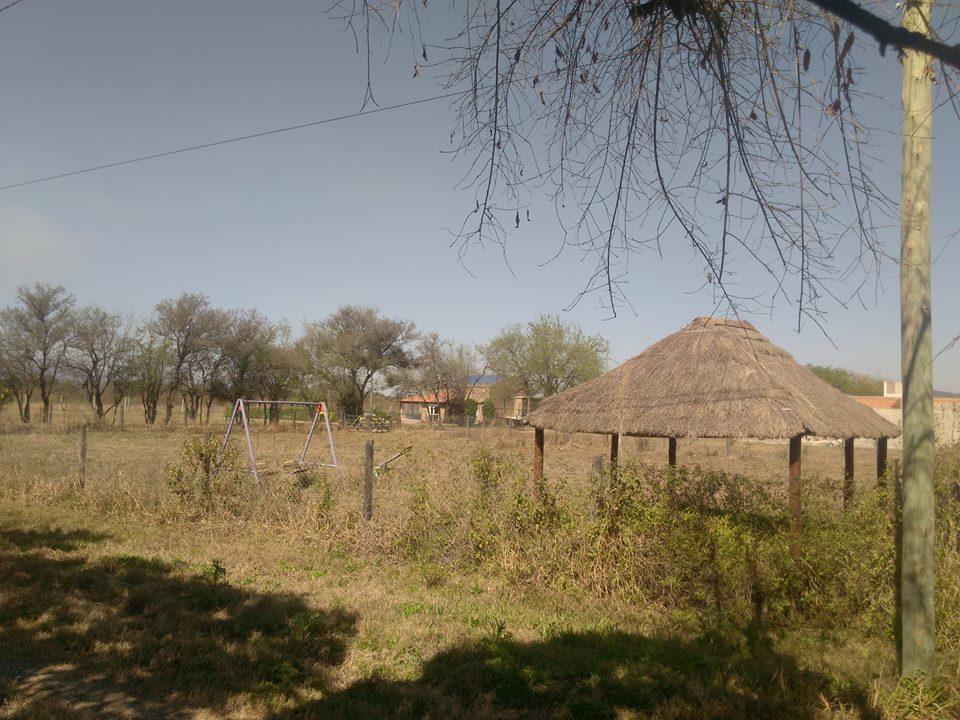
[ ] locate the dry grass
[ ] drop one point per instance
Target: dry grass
(113, 601)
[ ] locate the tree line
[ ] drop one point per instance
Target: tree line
(189, 352)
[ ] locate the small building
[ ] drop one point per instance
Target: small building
(430, 408)
(946, 411)
(510, 405)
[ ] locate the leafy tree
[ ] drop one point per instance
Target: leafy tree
(547, 355)
(354, 346)
(847, 381)
(36, 333)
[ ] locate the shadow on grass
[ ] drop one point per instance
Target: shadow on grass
(132, 637)
(598, 675)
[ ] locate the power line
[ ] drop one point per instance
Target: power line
(226, 141)
(7, 7)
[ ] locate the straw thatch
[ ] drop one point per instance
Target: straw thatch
(715, 378)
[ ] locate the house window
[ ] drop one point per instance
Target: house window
(433, 410)
(410, 411)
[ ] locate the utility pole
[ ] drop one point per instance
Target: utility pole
(917, 528)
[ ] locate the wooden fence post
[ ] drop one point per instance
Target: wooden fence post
(847, 473)
(368, 481)
(82, 458)
(793, 486)
(597, 483)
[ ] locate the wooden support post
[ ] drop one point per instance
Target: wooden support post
(368, 480)
(793, 484)
(123, 409)
(597, 486)
(881, 458)
(537, 456)
(917, 536)
(82, 458)
(672, 452)
(614, 449)
(847, 473)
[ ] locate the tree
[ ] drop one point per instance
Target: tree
(203, 370)
(248, 346)
(547, 355)
(15, 376)
(354, 346)
(150, 371)
(99, 355)
(847, 381)
(185, 325)
(730, 126)
(37, 333)
(443, 370)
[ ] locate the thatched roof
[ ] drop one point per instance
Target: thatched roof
(714, 378)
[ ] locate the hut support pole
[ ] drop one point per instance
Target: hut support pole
(793, 484)
(537, 457)
(614, 449)
(881, 458)
(847, 473)
(672, 452)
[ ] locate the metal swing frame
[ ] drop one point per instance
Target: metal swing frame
(240, 408)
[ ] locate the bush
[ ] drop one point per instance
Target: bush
(489, 409)
(470, 409)
(192, 479)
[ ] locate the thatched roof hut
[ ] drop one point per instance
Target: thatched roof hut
(715, 378)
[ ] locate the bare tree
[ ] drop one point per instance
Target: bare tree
(352, 347)
(203, 369)
(99, 355)
(250, 339)
(37, 332)
(16, 377)
(150, 371)
(731, 127)
(185, 324)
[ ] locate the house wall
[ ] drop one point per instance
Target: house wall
(946, 419)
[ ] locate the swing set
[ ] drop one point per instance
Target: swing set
(293, 467)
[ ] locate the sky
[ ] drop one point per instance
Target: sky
(350, 212)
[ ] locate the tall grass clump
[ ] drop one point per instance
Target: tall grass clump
(713, 546)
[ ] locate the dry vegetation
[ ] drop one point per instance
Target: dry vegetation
(467, 595)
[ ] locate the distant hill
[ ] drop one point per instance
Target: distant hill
(852, 383)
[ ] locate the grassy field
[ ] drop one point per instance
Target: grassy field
(147, 594)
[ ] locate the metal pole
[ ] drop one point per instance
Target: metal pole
(917, 626)
(313, 426)
(333, 449)
(246, 430)
(226, 439)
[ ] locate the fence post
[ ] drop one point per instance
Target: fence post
(368, 481)
(82, 465)
(597, 483)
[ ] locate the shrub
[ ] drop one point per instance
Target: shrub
(192, 479)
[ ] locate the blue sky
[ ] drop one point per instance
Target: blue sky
(352, 212)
